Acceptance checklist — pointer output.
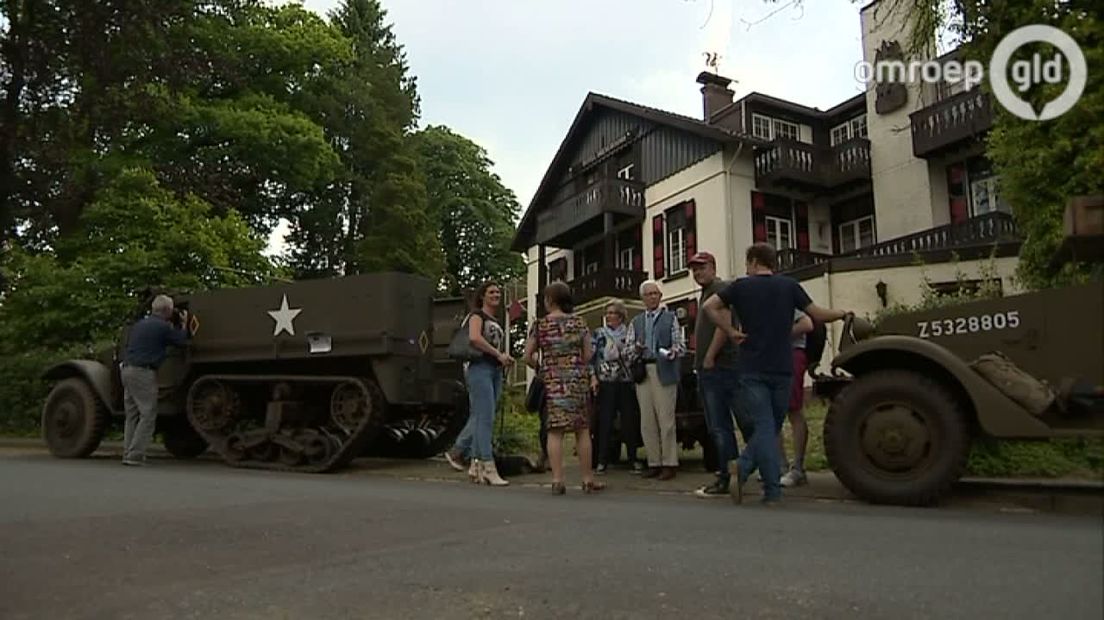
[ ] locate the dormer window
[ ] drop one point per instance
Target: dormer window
(769, 128)
(854, 128)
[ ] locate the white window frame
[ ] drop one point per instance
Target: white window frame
(625, 258)
(991, 184)
(626, 173)
(755, 130)
(855, 124)
(590, 268)
(676, 261)
(852, 230)
(796, 137)
(776, 239)
(852, 128)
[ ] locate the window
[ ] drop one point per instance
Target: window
(590, 268)
(779, 233)
(984, 192)
(856, 234)
(676, 249)
(761, 127)
(625, 258)
(785, 130)
(626, 173)
(854, 128)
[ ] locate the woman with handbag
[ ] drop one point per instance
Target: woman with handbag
(564, 344)
(483, 374)
(612, 385)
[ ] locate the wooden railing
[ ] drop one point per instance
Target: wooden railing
(791, 259)
(812, 165)
(946, 122)
(605, 196)
(607, 283)
(983, 229)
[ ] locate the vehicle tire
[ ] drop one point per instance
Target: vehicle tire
(182, 441)
(897, 437)
(73, 419)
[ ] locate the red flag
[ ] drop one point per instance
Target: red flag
(516, 310)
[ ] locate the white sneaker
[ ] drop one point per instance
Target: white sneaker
(794, 478)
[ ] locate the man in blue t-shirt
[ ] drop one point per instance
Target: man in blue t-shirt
(764, 303)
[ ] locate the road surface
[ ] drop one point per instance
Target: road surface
(92, 539)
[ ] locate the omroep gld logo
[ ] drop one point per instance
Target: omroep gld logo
(1027, 73)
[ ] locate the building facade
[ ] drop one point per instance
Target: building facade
(865, 201)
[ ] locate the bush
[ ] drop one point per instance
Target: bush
(517, 431)
(23, 391)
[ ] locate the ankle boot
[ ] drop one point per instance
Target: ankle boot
(490, 474)
(475, 471)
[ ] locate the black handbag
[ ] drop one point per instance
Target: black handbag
(638, 370)
(534, 397)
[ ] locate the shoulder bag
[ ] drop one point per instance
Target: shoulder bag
(460, 347)
(534, 396)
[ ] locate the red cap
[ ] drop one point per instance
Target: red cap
(702, 257)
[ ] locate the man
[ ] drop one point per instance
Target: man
(795, 412)
(716, 363)
(763, 303)
(145, 351)
(658, 341)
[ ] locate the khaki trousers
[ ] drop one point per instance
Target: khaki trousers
(657, 419)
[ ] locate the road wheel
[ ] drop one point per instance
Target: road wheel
(73, 419)
(182, 441)
(897, 437)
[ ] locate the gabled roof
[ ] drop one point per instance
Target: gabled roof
(857, 101)
(592, 102)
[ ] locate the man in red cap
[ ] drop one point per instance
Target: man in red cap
(717, 365)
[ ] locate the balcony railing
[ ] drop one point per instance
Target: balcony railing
(981, 230)
(616, 196)
(946, 123)
(791, 259)
(978, 231)
(815, 168)
(607, 283)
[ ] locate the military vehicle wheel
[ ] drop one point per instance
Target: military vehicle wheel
(73, 419)
(182, 441)
(897, 437)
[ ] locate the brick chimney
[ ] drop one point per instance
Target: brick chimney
(715, 93)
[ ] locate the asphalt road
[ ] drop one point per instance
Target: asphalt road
(92, 539)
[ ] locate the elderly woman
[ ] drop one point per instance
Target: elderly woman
(658, 342)
(563, 341)
(612, 385)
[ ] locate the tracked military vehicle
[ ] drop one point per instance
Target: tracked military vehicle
(301, 376)
(909, 395)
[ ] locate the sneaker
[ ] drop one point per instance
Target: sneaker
(794, 478)
(718, 489)
(637, 468)
(133, 463)
(601, 470)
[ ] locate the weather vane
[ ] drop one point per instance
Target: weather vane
(711, 60)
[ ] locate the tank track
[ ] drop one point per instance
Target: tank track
(292, 437)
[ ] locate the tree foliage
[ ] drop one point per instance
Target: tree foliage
(474, 213)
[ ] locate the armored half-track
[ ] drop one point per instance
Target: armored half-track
(302, 376)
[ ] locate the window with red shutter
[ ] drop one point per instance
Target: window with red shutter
(657, 246)
(801, 210)
(758, 217)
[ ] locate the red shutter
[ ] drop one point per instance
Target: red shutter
(758, 217)
(691, 231)
(657, 246)
(802, 226)
(956, 192)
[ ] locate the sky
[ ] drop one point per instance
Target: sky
(511, 74)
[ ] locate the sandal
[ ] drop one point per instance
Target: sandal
(558, 488)
(593, 486)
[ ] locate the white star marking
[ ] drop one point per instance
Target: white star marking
(284, 317)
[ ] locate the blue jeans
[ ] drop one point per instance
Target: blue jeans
(484, 389)
(719, 392)
(764, 398)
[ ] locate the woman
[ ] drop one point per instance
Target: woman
(564, 345)
(613, 385)
(484, 379)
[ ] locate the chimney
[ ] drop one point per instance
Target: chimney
(715, 93)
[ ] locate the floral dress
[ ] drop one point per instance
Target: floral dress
(566, 375)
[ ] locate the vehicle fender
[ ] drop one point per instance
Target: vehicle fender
(996, 414)
(95, 373)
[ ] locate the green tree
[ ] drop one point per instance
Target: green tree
(374, 217)
(134, 234)
(474, 212)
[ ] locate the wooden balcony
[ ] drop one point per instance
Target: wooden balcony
(582, 214)
(976, 231)
(811, 168)
(621, 283)
(790, 259)
(950, 123)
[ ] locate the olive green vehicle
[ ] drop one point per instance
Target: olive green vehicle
(923, 385)
(302, 376)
